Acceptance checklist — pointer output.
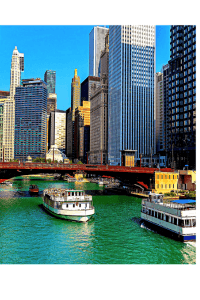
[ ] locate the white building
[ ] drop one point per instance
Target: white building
(96, 45)
(17, 65)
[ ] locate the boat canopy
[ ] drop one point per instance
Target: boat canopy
(184, 201)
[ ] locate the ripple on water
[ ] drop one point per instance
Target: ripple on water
(28, 235)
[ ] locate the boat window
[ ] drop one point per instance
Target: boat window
(79, 204)
(175, 221)
(72, 193)
(167, 218)
(187, 222)
(193, 222)
(68, 193)
(67, 205)
(73, 205)
(180, 222)
(155, 214)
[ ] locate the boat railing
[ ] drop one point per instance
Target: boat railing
(170, 205)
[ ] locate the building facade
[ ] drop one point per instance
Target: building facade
(82, 132)
(182, 97)
(75, 92)
(50, 79)
(159, 113)
(99, 113)
(17, 66)
(30, 119)
(96, 45)
(58, 129)
(90, 83)
(69, 134)
(131, 116)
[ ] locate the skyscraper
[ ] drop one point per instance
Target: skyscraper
(50, 79)
(182, 97)
(91, 82)
(75, 92)
(96, 44)
(159, 112)
(161, 109)
(30, 119)
(17, 65)
(131, 119)
(58, 129)
(99, 113)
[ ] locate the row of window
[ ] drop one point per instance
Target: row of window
(167, 176)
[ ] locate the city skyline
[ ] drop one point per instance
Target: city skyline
(42, 53)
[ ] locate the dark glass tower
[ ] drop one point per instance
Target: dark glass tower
(50, 79)
(182, 97)
(30, 119)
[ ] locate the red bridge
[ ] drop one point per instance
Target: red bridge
(9, 170)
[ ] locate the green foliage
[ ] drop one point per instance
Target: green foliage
(191, 194)
(80, 162)
(171, 194)
(49, 160)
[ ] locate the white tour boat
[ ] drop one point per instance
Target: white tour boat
(68, 204)
(171, 219)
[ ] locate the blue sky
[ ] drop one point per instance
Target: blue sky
(59, 48)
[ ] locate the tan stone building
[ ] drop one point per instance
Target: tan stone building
(82, 131)
(99, 113)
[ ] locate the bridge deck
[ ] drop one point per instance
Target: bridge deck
(76, 167)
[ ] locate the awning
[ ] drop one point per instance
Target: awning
(143, 184)
(184, 201)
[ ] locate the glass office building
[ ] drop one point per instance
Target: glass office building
(96, 45)
(181, 139)
(131, 121)
(30, 119)
(50, 79)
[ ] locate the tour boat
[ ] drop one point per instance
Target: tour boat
(68, 204)
(33, 189)
(172, 219)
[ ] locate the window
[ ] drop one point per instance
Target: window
(157, 176)
(165, 176)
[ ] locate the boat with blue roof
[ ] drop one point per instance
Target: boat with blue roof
(176, 219)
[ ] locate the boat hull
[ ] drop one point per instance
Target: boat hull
(72, 217)
(169, 233)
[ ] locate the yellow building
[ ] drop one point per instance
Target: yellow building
(165, 182)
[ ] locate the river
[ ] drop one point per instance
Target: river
(29, 235)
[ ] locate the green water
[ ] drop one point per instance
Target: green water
(29, 235)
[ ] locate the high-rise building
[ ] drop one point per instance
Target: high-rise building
(4, 94)
(82, 132)
(91, 82)
(131, 121)
(1, 128)
(69, 134)
(96, 45)
(182, 97)
(50, 79)
(165, 72)
(51, 103)
(30, 119)
(58, 129)
(159, 112)
(17, 66)
(99, 113)
(75, 92)
(161, 109)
